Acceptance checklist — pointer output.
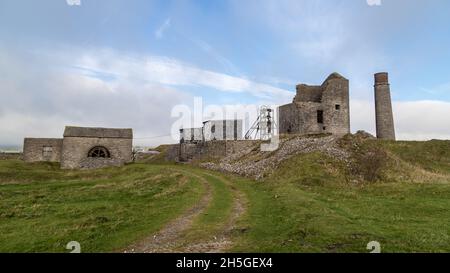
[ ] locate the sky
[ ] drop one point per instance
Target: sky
(141, 64)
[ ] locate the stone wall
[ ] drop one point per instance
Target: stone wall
(336, 106)
(323, 109)
(222, 130)
(11, 156)
(76, 149)
(173, 152)
(95, 163)
(308, 93)
(300, 118)
(189, 151)
(207, 150)
(42, 149)
(192, 135)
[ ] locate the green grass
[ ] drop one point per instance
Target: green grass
(43, 208)
(307, 206)
(432, 155)
(311, 203)
(213, 219)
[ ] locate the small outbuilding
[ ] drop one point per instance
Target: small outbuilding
(83, 148)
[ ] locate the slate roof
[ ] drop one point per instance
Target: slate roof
(72, 131)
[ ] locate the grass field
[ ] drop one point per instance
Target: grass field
(309, 204)
(314, 212)
(43, 208)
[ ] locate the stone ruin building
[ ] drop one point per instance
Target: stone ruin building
(213, 130)
(318, 109)
(82, 148)
(325, 108)
(215, 138)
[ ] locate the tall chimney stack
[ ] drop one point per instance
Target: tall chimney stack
(383, 107)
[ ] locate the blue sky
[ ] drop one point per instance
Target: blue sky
(128, 63)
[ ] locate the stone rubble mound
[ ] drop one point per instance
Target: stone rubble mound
(254, 163)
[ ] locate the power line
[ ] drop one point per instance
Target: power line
(151, 137)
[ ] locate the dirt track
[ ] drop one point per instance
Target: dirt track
(170, 238)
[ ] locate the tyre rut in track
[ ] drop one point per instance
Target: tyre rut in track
(166, 240)
(222, 241)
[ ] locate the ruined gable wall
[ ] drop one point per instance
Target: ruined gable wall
(308, 93)
(336, 93)
(288, 119)
(33, 149)
(331, 99)
(300, 118)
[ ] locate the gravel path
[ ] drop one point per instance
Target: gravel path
(165, 240)
(222, 241)
(170, 238)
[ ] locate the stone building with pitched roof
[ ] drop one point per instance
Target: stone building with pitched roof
(83, 148)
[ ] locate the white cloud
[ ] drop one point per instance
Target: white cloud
(73, 2)
(323, 37)
(315, 30)
(362, 116)
(414, 120)
(42, 92)
(422, 120)
(167, 71)
(45, 91)
(373, 2)
(41, 96)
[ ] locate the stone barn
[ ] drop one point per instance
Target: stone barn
(83, 148)
(318, 109)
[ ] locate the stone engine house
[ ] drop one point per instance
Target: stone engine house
(318, 109)
(83, 148)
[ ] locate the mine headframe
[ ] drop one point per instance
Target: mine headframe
(264, 126)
